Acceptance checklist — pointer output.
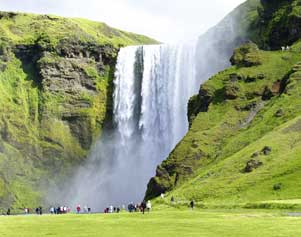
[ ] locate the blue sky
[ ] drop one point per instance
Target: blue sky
(166, 20)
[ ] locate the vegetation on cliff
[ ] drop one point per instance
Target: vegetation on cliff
(55, 95)
(244, 136)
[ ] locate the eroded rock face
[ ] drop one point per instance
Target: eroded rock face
(69, 77)
(252, 165)
(246, 56)
(280, 22)
(199, 103)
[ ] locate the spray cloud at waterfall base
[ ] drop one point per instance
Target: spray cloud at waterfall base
(151, 89)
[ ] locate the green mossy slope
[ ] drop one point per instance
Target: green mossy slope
(56, 78)
(244, 139)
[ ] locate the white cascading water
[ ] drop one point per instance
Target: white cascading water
(152, 87)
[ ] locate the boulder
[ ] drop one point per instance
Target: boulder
(252, 165)
(266, 150)
(247, 55)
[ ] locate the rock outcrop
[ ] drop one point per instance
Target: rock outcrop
(56, 83)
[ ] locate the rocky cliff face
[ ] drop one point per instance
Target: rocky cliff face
(230, 109)
(279, 23)
(56, 96)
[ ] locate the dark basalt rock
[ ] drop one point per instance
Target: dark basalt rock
(199, 103)
(277, 187)
(252, 165)
(266, 150)
(250, 106)
(279, 23)
(255, 154)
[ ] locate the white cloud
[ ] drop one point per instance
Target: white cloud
(165, 20)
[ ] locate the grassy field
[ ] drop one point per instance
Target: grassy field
(159, 223)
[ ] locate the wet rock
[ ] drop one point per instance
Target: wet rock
(252, 165)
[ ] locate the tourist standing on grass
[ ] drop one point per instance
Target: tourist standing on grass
(8, 212)
(192, 204)
(143, 206)
(51, 210)
(78, 209)
(149, 205)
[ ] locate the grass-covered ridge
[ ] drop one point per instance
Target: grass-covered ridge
(22, 28)
(56, 77)
(244, 142)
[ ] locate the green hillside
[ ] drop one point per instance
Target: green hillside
(55, 96)
(243, 145)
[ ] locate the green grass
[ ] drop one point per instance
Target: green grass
(38, 147)
(24, 28)
(167, 223)
(207, 165)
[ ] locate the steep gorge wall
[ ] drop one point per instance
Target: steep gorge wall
(56, 85)
(268, 24)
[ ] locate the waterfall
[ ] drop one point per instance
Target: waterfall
(152, 87)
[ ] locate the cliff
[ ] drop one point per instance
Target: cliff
(55, 97)
(244, 138)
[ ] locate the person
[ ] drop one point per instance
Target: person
(143, 206)
(8, 212)
(131, 207)
(40, 211)
(111, 209)
(89, 210)
(78, 209)
(172, 200)
(148, 206)
(192, 204)
(37, 211)
(51, 210)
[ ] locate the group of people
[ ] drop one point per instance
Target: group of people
(59, 210)
(86, 209)
(287, 48)
(112, 209)
(142, 207)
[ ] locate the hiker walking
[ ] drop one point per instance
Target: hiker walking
(143, 206)
(192, 204)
